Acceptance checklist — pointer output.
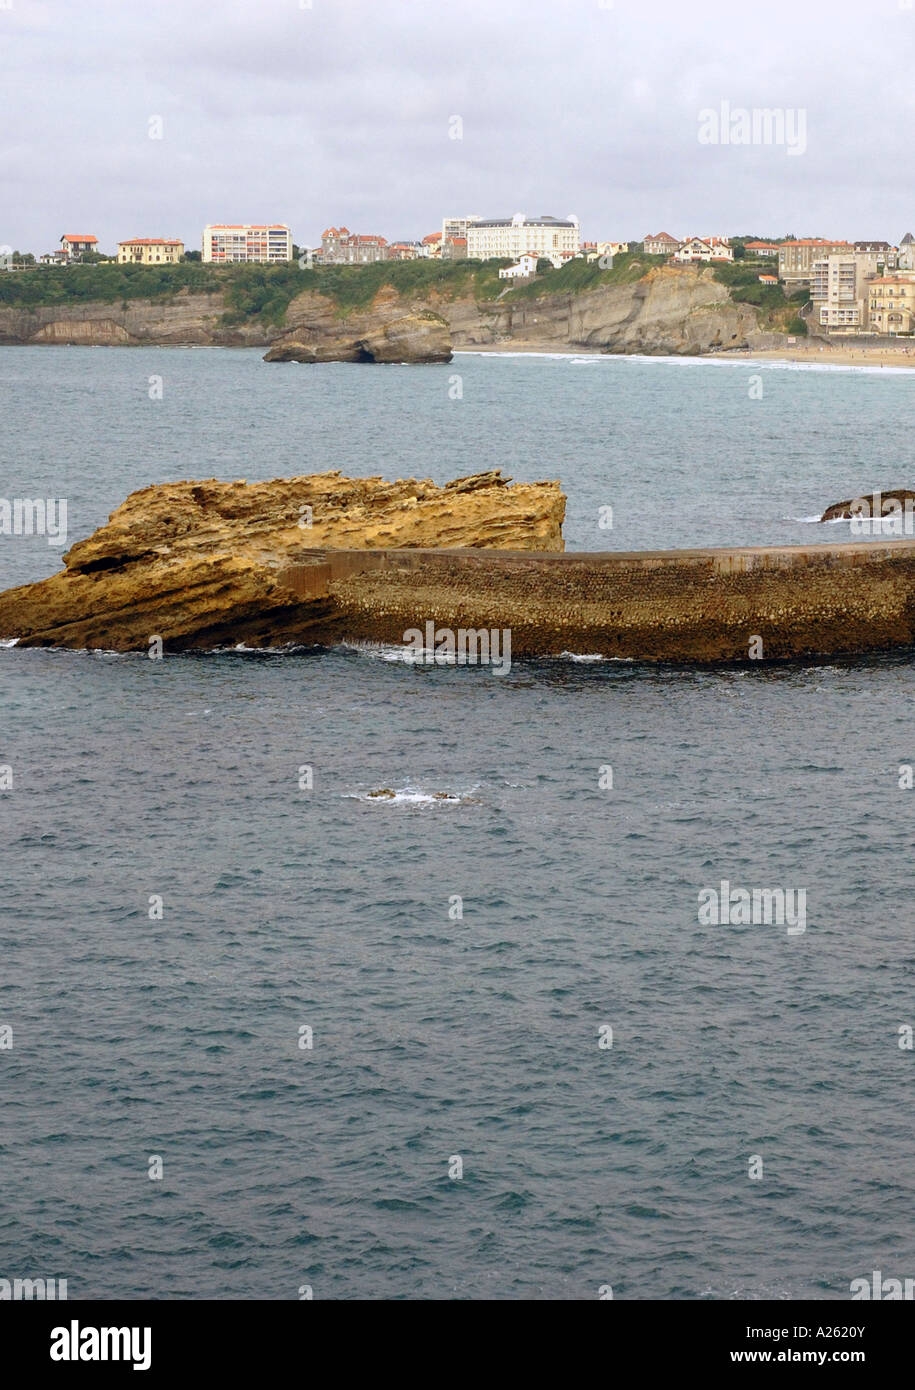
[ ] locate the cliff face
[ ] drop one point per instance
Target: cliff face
(670, 310)
(206, 564)
(416, 337)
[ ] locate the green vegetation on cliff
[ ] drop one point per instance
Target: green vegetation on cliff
(251, 291)
(779, 312)
(262, 294)
(577, 276)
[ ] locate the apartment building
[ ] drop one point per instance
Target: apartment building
(150, 250)
(73, 245)
(837, 292)
(515, 236)
(227, 243)
(891, 304)
(456, 226)
(340, 246)
(796, 258)
(839, 287)
(661, 245)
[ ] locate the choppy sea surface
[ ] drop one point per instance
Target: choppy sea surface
(178, 912)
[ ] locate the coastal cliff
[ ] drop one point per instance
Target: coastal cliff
(653, 309)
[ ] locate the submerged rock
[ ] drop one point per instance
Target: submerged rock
(870, 504)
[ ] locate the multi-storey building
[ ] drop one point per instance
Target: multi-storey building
(836, 289)
(340, 246)
(839, 287)
(796, 258)
(150, 250)
(73, 246)
(456, 226)
(227, 243)
(891, 304)
(513, 236)
(661, 245)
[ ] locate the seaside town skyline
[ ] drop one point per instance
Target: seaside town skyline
(845, 287)
(380, 112)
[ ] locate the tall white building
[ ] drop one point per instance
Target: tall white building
(839, 287)
(226, 243)
(456, 227)
(515, 236)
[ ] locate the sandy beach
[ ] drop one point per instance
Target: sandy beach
(832, 354)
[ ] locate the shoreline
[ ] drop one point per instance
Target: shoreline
(812, 354)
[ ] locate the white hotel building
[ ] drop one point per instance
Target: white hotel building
(225, 243)
(515, 236)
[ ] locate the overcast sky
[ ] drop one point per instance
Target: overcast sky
(343, 113)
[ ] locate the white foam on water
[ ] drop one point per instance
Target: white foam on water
(8, 642)
(410, 796)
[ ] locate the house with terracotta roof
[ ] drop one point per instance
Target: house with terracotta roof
(75, 244)
(661, 245)
(340, 246)
(150, 250)
(762, 249)
(711, 248)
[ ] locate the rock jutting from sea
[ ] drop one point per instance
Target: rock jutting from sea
(418, 338)
(325, 558)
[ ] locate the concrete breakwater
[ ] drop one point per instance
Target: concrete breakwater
(770, 602)
(323, 558)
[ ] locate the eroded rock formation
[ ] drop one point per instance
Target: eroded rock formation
(418, 338)
(212, 563)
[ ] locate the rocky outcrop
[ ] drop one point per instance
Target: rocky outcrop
(672, 309)
(871, 504)
(417, 338)
(211, 563)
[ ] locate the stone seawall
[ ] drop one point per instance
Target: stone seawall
(680, 605)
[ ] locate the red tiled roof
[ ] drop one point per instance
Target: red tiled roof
(70, 237)
(433, 236)
(150, 241)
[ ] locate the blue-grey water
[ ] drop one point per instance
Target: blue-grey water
(437, 1037)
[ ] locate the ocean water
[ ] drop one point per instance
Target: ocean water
(437, 1036)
